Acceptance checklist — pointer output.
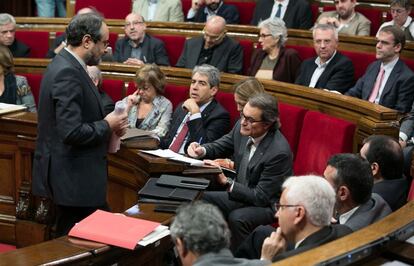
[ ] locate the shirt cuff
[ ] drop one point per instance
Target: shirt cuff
(403, 136)
(195, 116)
(191, 13)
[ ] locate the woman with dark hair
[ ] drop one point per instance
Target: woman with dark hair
(148, 108)
(13, 89)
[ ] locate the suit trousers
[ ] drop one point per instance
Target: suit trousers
(241, 218)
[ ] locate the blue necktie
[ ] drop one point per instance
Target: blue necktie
(279, 11)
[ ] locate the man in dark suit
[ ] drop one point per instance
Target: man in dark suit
(137, 47)
(262, 158)
(214, 48)
(200, 118)
(296, 13)
(386, 158)
(8, 38)
(201, 10)
(388, 81)
(330, 69)
(73, 131)
(96, 75)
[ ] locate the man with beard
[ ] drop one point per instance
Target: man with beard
(7, 36)
(73, 131)
(201, 10)
(388, 81)
(345, 19)
(214, 48)
(137, 47)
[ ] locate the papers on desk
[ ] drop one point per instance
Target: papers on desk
(6, 108)
(140, 139)
(118, 230)
(170, 155)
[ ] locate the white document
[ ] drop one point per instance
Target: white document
(9, 108)
(169, 154)
(159, 232)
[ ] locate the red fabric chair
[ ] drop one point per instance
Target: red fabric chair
(113, 88)
(291, 119)
(374, 15)
(38, 41)
(409, 62)
(226, 99)
(186, 5)
(247, 53)
(411, 192)
(315, 10)
(6, 247)
(305, 52)
(174, 45)
(360, 61)
(113, 37)
(321, 137)
(109, 8)
(34, 81)
(245, 10)
(176, 94)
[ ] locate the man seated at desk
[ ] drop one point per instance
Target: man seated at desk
(200, 118)
(263, 159)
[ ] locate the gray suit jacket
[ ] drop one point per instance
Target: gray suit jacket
(227, 56)
(71, 137)
(224, 257)
(167, 10)
(371, 211)
(359, 25)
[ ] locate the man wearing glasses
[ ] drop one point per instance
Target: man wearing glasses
(262, 158)
(137, 47)
(400, 11)
(214, 48)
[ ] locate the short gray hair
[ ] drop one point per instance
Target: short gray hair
(277, 28)
(315, 194)
(212, 73)
(201, 227)
(6, 18)
(402, 3)
(324, 27)
(268, 104)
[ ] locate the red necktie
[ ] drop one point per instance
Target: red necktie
(178, 142)
(377, 86)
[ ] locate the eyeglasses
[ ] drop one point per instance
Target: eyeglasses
(248, 119)
(279, 206)
(134, 23)
(398, 10)
(213, 38)
(262, 35)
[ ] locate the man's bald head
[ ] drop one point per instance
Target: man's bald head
(214, 31)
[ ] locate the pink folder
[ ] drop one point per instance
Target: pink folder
(113, 229)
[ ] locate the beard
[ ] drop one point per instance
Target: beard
(92, 60)
(214, 6)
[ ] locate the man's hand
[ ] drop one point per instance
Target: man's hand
(403, 143)
(134, 61)
(195, 150)
(273, 245)
(195, 4)
(227, 163)
(117, 123)
(221, 178)
(191, 106)
(332, 21)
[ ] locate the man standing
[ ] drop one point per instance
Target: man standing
(330, 69)
(214, 48)
(295, 13)
(200, 118)
(345, 19)
(137, 47)
(8, 38)
(201, 10)
(263, 160)
(70, 164)
(388, 81)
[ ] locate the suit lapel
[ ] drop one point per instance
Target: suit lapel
(260, 150)
(219, 51)
(370, 82)
(193, 58)
(328, 69)
(146, 53)
(395, 73)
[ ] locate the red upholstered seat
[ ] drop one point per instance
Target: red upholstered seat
(113, 88)
(176, 93)
(186, 5)
(174, 45)
(409, 62)
(226, 99)
(34, 81)
(247, 53)
(6, 247)
(38, 41)
(305, 52)
(291, 118)
(374, 15)
(315, 10)
(113, 37)
(109, 8)
(360, 60)
(321, 137)
(245, 10)
(411, 192)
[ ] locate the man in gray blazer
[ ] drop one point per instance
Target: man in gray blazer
(214, 48)
(137, 47)
(159, 10)
(70, 165)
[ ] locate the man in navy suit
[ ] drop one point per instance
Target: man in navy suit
(330, 69)
(295, 13)
(388, 81)
(201, 10)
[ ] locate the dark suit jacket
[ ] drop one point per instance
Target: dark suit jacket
(298, 13)
(152, 48)
(71, 137)
(229, 12)
(286, 68)
(398, 92)
(266, 171)
(393, 191)
(227, 56)
(338, 74)
(214, 122)
(19, 49)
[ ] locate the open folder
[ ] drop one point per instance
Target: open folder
(118, 230)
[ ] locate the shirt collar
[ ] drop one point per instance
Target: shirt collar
(390, 65)
(343, 218)
(209, 12)
(256, 141)
(134, 45)
(407, 22)
(318, 61)
(283, 2)
(80, 60)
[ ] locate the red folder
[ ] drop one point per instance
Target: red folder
(113, 229)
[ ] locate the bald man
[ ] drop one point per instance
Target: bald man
(214, 48)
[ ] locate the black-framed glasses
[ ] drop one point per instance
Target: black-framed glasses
(248, 119)
(279, 206)
(262, 35)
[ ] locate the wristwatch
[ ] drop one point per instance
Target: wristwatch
(229, 182)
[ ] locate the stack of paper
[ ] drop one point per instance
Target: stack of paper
(169, 154)
(118, 230)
